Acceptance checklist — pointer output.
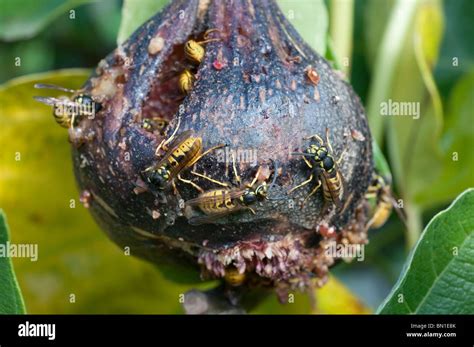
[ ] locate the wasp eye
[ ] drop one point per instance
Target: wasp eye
(249, 198)
(328, 163)
(322, 153)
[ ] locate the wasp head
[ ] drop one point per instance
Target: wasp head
(157, 178)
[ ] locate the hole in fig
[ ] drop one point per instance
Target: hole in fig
(164, 97)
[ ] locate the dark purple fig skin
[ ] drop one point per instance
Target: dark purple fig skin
(259, 98)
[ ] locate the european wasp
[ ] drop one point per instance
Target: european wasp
(195, 51)
(324, 170)
(68, 112)
(380, 194)
(233, 277)
(155, 124)
(184, 151)
(218, 203)
(186, 81)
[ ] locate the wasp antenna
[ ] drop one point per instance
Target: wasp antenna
(303, 154)
(275, 176)
(45, 100)
(278, 198)
(53, 86)
(275, 173)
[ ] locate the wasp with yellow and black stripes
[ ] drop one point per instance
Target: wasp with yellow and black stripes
(324, 170)
(68, 112)
(194, 52)
(217, 203)
(382, 200)
(158, 124)
(184, 151)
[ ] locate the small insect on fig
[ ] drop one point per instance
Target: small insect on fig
(185, 150)
(186, 81)
(195, 51)
(155, 124)
(380, 191)
(218, 203)
(233, 277)
(68, 112)
(324, 170)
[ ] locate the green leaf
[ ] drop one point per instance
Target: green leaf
(342, 30)
(438, 276)
(310, 18)
(426, 145)
(457, 160)
(388, 54)
(22, 19)
(11, 301)
(135, 13)
(457, 51)
(413, 137)
(331, 55)
(375, 18)
(414, 142)
(380, 162)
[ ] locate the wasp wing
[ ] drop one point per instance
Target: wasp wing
(55, 101)
(211, 218)
(337, 193)
(175, 169)
(54, 87)
(224, 194)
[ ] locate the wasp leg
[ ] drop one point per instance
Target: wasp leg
(256, 177)
(236, 174)
(210, 179)
(313, 191)
(175, 189)
(168, 140)
(370, 195)
(317, 137)
(209, 31)
(206, 36)
(342, 208)
(191, 183)
(302, 184)
(338, 162)
(195, 160)
(327, 140)
(307, 162)
(251, 210)
(73, 119)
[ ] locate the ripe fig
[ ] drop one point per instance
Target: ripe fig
(234, 75)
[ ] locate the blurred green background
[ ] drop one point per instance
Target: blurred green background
(76, 258)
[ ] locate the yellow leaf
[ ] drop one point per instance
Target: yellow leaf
(332, 298)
